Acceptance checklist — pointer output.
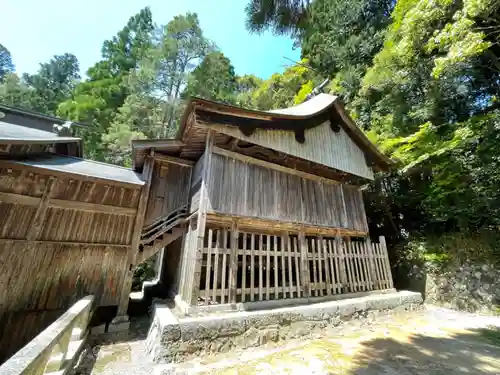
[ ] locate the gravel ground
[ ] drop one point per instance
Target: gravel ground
(432, 341)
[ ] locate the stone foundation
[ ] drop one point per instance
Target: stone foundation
(172, 339)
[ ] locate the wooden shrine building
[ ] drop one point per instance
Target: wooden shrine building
(271, 203)
(242, 206)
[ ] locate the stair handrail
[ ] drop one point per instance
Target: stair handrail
(171, 221)
(164, 218)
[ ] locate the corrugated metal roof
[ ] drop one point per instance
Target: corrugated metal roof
(13, 133)
(72, 165)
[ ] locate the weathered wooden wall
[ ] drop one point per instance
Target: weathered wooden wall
(245, 189)
(169, 189)
(322, 145)
(195, 188)
(62, 237)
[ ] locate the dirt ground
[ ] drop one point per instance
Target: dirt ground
(433, 341)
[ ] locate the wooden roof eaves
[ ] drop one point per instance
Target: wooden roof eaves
(380, 160)
(41, 116)
(140, 144)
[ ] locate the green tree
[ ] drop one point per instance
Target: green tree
(6, 64)
(14, 92)
(96, 101)
(280, 16)
(54, 80)
(154, 106)
(341, 39)
(213, 79)
(430, 100)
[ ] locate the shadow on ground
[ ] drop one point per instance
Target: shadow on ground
(474, 352)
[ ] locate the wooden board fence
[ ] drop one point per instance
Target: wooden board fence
(271, 267)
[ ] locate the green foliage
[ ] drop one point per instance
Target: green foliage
(342, 38)
(6, 64)
(55, 81)
(280, 16)
(282, 90)
(213, 79)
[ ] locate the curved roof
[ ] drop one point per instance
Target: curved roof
(306, 115)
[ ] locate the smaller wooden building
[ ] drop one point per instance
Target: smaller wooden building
(67, 226)
(272, 202)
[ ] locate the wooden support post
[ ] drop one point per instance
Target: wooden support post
(304, 263)
(197, 257)
(296, 255)
(233, 270)
(385, 254)
(244, 268)
(268, 267)
(224, 265)
(136, 237)
(342, 267)
(216, 265)
(252, 267)
(275, 258)
(328, 264)
(371, 262)
(290, 269)
(208, 270)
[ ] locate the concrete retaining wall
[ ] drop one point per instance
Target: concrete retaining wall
(173, 340)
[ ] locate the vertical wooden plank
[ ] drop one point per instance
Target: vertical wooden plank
(275, 252)
(252, 267)
(361, 277)
(359, 274)
(315, 268)
(216, 265)
(283, 265)
(364, 265)
(304, 269)
(233, 272)
(327, 266)
(319, 254)
(244, 269)
(371, 263)
(342, 264)
(385, 254)
(354, 267)
(380, 259)
(290, 270)
(224, 265)
(41, 211)
(380, 277)
(209, 265)
(296, 254)
(261, 267)
(366, 262)
(350, 269)
(268, 267)
(335, 267)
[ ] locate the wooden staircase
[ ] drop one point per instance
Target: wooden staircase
(161, 232)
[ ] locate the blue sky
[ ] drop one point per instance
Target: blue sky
(35, 30)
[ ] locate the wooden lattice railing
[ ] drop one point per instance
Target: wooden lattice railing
(56, 348)
(163, 225)
(277, 267)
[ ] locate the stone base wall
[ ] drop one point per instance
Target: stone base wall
(468, 287)
(173, 340)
